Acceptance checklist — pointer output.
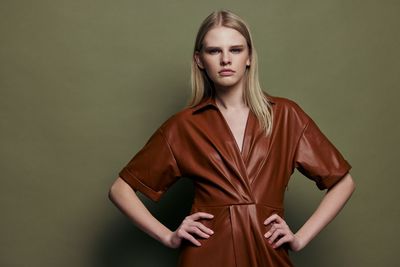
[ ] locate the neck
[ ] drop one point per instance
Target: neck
(230, 97)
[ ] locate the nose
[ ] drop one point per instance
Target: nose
(225, 58)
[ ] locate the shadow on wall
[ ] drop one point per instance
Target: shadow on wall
(123, 244)
(299, 206)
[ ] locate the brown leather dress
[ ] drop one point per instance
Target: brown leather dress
(241, 188)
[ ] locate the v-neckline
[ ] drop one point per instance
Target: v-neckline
(239, 150)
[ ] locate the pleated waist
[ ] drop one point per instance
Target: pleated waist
(242, 225)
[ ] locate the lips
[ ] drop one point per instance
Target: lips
(226, 72)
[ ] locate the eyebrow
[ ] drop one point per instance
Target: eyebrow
(215, 47)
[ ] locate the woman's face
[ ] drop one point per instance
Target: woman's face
(224, 48)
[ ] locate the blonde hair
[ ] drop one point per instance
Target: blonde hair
(202, 86)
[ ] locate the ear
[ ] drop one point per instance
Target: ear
(198, 60)
(248, 62)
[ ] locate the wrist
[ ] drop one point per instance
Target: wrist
(166, 239)
(298, 243)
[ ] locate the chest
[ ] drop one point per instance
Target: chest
(237, 122)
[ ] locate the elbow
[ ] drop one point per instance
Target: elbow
(346, 184)
(117, 188)
(353, 186)
(113, 190)
(350, 184)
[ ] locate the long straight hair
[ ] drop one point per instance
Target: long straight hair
(202, 86)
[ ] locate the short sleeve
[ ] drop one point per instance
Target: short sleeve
(318, 159)
(153, 169)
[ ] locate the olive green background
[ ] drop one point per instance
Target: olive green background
(83, 84)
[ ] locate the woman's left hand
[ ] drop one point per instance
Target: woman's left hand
(279, 228)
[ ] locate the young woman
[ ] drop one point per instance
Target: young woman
(240, 146)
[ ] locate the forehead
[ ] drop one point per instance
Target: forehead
(223, 35)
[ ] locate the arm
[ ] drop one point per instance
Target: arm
(125, 198)
(122, 195)
(333, 201)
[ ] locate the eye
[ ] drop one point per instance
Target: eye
(236, 50)
(212, 51)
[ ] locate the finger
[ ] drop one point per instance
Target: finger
(275, 226)
(189, 237)
(203, 227)
(194, 229)
(277, 233)
(268, 234)
(273, 217)
(281, 241)
(200, 214)
(272, 229)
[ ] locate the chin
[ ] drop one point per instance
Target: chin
(226, 83)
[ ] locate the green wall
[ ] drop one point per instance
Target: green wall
(84, 83)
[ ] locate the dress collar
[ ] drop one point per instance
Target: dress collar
(205, 102)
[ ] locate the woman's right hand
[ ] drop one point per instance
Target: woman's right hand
(188, 226)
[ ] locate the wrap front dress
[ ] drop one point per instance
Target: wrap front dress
(241, 188)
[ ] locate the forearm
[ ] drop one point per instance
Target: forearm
(129, 203)
(331, 204)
